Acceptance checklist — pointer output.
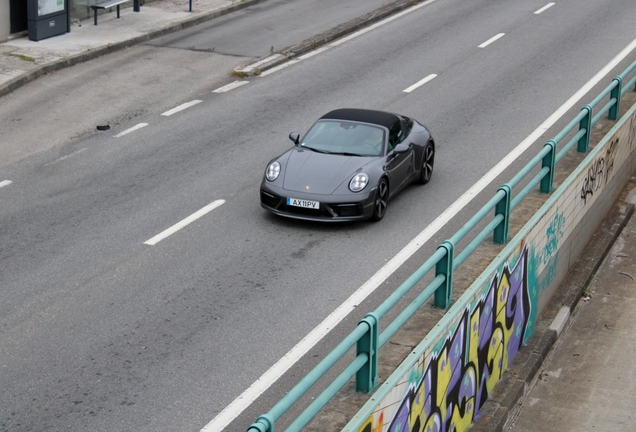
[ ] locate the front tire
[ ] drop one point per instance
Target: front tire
(428, 161)
(381, 200)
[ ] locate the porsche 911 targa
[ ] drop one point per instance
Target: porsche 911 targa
(348, 166)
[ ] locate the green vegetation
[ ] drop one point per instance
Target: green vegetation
(21, 57)
(239, 74)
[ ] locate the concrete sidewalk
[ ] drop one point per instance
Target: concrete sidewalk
(23, 60)
(588, 380)
(577, 372)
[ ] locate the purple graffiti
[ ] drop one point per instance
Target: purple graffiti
(457, 379)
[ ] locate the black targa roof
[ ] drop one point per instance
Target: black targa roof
(362, 115)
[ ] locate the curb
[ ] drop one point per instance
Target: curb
(509, 395)
(18, 82)
(324, 38)
(277, 59)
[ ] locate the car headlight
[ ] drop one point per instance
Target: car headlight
(273, 170)
(359, 182)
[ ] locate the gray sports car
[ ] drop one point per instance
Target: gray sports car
(348, 166)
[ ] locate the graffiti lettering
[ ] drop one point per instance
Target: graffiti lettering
(599, 172)
(458, 378)
(549, 256)
(553, 234)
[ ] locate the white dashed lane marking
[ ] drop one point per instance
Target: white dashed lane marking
(238, 405)
(548, 6)
(132, 129)
(181, 107)
(230, 86)
(491, 40)
(419, 83)
(5, 183)
(185, 222)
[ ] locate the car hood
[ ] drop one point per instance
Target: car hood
(319, 173)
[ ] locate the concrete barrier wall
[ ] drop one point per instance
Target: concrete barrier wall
(448, 377)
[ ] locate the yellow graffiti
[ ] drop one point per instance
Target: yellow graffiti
(461, 422)
(433, 423)
(367, 426)
(448, 389)
(444, 374)
(417, 407)
(473, 337)
(503, 291)
(494, 358)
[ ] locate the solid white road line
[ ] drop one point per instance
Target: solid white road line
(181, 107)
(132, 129)
(294, 61)
(346, 38)
(176, 227)
(282, 66)
(313, 53)
(236, 407)
(5, 183)
(381, 23)
(230, 86)
(419, 83)
(491, 40)
(548, 6)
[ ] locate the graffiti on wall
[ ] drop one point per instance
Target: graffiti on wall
(599, 171)
(463, 371)
(550, 254)
(631, 133)
(454, 376)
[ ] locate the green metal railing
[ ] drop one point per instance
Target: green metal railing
(366, 335)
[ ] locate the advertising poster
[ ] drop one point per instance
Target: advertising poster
(46, 7)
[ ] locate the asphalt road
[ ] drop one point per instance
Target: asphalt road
(111, 90)
(103, 332)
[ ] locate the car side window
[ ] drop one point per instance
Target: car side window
(396, 135)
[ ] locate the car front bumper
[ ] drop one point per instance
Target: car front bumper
(333, 208)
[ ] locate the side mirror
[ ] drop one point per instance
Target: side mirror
(295, 137)
(401, 148)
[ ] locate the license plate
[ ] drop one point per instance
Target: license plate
(303, 203)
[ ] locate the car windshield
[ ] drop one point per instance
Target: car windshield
(345, 137)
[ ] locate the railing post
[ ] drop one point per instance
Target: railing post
(615, 110)
(262, 424)
(500, 235)
(444, 293)
(549, 161)
(367, 376)
(585, 123)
